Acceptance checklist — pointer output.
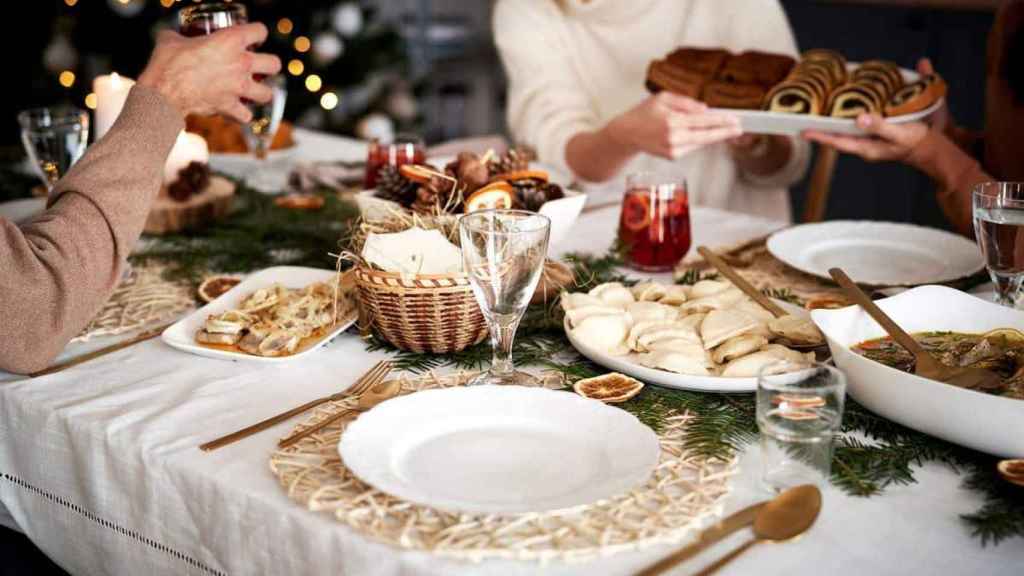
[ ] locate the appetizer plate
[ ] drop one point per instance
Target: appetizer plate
(785, 124)
(182, 334)
(499, 449)
(980, 421)
(562, 212)
(877, 253)
(628, 365)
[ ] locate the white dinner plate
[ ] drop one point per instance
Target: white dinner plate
(980, 421)
(786, 124)
(182, 334)
(877, 253)
(629, 365)
(499, 449)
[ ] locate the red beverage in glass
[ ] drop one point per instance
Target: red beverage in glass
(654, 227)
(203, 19)
(406, 149)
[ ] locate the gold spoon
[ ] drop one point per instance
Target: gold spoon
(785, 517)
(925, 365)
(747, 288)
(375, 395)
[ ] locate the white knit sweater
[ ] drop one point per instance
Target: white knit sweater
(573, 65)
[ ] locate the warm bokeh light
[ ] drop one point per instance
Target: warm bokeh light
(167, 3)
(313, 83)
(90, 99)
(285, 26)
(329, 100)
(296, 67)
(67, 78)
(71, 2)
(302, 44)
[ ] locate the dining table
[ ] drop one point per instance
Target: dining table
(100, 464)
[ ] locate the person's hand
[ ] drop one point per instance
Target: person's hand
(211, 74)
(670, 126)
(939, 119)
(885, 142)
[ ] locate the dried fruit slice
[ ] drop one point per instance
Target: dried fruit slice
(214, 286)
(1012, 471)
(494, 195)
(521, 175)
(609, 388)
(309, 202)
(636, 212)
(419, 173)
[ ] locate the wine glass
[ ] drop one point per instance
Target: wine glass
(54, 138)
(203, 19)
(266, 117)
(503, 252)
(999, 228)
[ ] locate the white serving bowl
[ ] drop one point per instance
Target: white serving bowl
(980, 421)
(562, 212)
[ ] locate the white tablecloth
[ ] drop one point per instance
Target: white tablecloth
(99, 466)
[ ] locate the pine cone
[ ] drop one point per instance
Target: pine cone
(192, 179)
(532, 194)
(391, 185)
(514, 160)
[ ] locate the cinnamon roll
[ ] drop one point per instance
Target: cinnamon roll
(721, 94)
(916, 96)
(793, 97)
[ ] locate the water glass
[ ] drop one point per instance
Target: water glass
(54, 138)
(999, 228)
(798, 416)
(503, 252)
(654, 225)
(266, 117)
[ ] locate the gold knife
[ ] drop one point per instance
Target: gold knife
(709, 536)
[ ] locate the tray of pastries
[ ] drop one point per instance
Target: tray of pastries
(778, 94)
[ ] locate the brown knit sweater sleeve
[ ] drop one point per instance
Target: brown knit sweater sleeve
(58, 269)
(955, 174)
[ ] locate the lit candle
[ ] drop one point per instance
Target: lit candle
(187, 149)
(111, 92)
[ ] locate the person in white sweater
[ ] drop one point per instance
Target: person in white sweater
(576, 71)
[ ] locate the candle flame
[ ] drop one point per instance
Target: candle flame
(115, 80)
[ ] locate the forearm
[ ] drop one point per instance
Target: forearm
(58, 269)
(955, 174)
(598, 156)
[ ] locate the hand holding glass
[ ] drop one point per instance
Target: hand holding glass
(503, 252)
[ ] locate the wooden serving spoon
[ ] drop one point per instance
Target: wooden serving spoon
(925, 365)
(787, 516)
(747, 288)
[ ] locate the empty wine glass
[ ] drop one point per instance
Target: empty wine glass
(266, 118)
(503, 252)
(54, 138)
(999, 228)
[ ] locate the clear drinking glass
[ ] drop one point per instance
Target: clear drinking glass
(54, 138)
(503, 252)
(403, 149)
(798, 415)
(266, 117)
(999, 228)
(654, 225)
(207, 18)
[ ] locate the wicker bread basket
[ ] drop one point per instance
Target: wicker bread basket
(425, 313)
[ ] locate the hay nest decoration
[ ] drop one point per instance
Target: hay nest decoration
(684, 493)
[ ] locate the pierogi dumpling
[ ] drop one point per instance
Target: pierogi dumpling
(644, 311)
(738, 346)
(675, 295)
(677, 330)
(613, 293)
(796, 329)
(720, 325)
(720, 301)
(778, 359)
(704, 288)
(605, 332)
(577, 315)
(648, 291)
(571, 300)
(679, 362)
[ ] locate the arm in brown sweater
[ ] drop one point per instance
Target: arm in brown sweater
(955, 174)
(57, 270)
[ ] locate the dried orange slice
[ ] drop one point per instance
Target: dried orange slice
(1012, 471)
(494, 195)
(609, 388)
(636, 212)
(521, 175)
(419, 173)
(215, 286)
(310, 202)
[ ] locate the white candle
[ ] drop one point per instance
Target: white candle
(111, 92)
(187, 149)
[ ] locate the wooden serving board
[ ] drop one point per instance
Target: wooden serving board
(169, 216)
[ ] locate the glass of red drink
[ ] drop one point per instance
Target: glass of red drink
(654, 227)
(403, 149)
(203, 19)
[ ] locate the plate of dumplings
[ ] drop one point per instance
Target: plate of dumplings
(778, 94)
(709, 336)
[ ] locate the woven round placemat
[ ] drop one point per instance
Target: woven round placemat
(684, 492)
(142, 299)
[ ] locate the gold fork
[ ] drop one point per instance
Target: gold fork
(362, 385)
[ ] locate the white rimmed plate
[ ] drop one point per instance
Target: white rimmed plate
(763, 122)
(182, 334)
(877, 253)
(981, 421)
(499, 449)
(628, 365)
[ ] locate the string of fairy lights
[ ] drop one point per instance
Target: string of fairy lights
(285, 27)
